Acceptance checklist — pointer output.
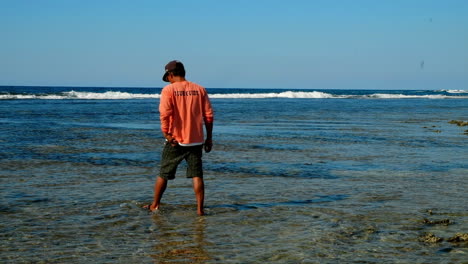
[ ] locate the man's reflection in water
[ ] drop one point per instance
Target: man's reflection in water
(179, 239)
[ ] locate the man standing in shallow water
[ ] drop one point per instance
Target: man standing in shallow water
(184, 107)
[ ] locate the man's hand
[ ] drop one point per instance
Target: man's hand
(171, 140)
(208, 145)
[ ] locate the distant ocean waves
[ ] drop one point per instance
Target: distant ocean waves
(455, 91)
(108, 95)
(88, 93)
(324, 95)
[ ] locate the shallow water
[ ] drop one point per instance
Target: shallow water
(288, 181)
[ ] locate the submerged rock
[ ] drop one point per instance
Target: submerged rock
(459, 237)
(445, 250)
(430, 238)
(437, 222)
(459, 122)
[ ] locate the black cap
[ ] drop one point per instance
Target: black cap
(174, 65)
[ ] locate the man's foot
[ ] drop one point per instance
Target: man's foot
(201, 212)
(151, 207)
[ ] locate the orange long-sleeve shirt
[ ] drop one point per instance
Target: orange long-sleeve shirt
(183, 108)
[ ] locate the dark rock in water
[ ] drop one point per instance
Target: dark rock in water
(445, 250)
(459, 122)
(437, 222)
(430, 238)
(459, 237)
(4, 209)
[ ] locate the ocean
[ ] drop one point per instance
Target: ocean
(295, 176)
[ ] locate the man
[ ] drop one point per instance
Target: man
(184, 108)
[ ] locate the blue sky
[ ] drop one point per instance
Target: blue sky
(347, 44)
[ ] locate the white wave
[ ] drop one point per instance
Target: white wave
(28, 96)
(107, 95)
(110, 95)
(12, 96)
(123, 95)
(80, 95)
(403, 96)
(455, 91)
(288, 94)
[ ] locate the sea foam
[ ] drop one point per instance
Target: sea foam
(119, 95)
(287, 94)
(404, 96)
(455, 91)
(107, 95)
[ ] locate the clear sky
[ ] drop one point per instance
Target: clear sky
(329, 44)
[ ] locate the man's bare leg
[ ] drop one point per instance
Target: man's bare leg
(159, 188)
(199, 189)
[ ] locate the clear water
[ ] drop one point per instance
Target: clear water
(289, 181)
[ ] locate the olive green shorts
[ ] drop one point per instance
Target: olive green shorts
(173, 156)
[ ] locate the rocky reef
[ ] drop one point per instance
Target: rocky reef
(459, 122)
(459, 240)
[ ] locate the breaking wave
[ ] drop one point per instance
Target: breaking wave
(288, 94)
(455, 91)
(403, 96)
(252, 94)
(80, 95)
